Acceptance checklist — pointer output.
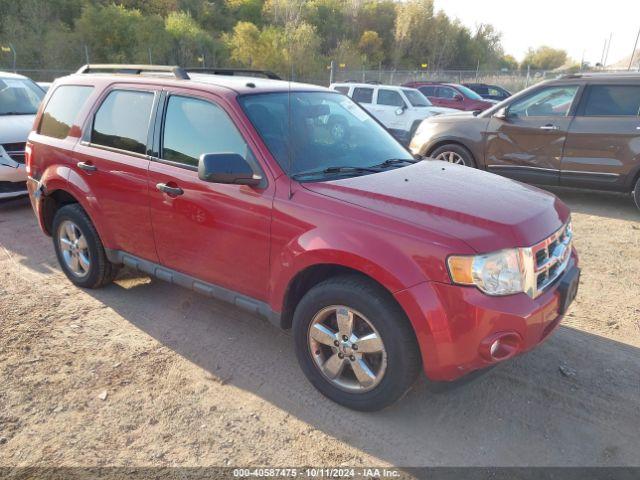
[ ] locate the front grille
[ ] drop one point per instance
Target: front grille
(15, 151)
(550, 258)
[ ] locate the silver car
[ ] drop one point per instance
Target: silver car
(19, 101)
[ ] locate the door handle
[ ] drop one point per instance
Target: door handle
(548, 127)
(87, 167)
(163, 187)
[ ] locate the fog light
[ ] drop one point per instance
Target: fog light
(500, 346)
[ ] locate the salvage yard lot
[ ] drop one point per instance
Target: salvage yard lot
(145, 373)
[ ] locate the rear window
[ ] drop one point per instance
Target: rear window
(612, 100)
(362, 95)
(62, 109)
(122, 121)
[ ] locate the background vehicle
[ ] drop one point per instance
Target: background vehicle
(340, 234)
(399, 109)
(45, 85)
(19, 100)
(490, 92)
(452, 95)
(577, 131)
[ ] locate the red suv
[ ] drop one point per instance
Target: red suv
(452, 95)
(241, 188)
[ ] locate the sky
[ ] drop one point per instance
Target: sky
(573, 25)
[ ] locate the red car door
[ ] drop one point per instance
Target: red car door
(111, 167)
(218, 233)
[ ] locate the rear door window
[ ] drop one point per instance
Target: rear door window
(62, 109)
(193, 127)
(428, 91)
(390, 98)
(612, 100)
(122, 121)
(343, 90)
(362, 95)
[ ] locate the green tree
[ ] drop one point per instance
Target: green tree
(190, 42)
(370, 46)
(544, 58)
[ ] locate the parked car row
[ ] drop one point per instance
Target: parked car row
(292, 202)
(399, 109)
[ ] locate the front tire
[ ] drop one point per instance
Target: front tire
(79, 249)
(636, 193)
(454, 153)
(355, 344)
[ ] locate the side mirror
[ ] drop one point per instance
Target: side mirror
(458, 98)
(400, 110)
(226, 168)
(501, 114)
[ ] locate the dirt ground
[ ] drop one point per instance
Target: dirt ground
(142, 373)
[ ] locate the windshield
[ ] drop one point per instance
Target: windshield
(325, 130)
(19, 96)
(468, 92)
(416, 98)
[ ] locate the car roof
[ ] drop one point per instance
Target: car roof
(599, 77)
(12, 75)
(239, 84)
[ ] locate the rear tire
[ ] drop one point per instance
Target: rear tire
(394, 360)
(79, 249)
(636, 193)
(454, 153)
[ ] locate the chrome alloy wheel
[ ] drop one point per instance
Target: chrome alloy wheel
(451, 157)
(347, 349)
(75, 250)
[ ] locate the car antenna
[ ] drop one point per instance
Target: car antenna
(289, 152)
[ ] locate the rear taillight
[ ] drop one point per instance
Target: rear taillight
(27, 158)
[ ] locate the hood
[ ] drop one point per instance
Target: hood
(433, 110)
(15, 128)
(486, 211)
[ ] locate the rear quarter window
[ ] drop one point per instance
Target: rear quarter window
(62, 110)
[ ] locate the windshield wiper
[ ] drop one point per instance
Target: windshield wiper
(394, 161)
(332, 170)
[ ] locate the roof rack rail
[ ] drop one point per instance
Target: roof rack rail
(178, 72)
(235, 71)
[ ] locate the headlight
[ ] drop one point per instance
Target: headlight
(498, 273)
(425, 125)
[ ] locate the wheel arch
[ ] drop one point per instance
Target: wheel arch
(442, 143)
(312, 275)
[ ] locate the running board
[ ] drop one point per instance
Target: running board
(244, 302)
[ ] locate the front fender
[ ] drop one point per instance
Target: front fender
(376, 256)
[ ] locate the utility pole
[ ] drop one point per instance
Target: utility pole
(150, 62)
(635, 45)
(13, 50)
(606, 57)
(603, 50)
(86, 53)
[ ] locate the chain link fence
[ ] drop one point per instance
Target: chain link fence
(513, 81)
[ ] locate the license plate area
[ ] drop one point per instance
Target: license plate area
(568, 289)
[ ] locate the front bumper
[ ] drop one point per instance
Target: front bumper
(455, 326)
(12, 181)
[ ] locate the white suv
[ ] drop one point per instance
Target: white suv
(19, 101)
(399, 109)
